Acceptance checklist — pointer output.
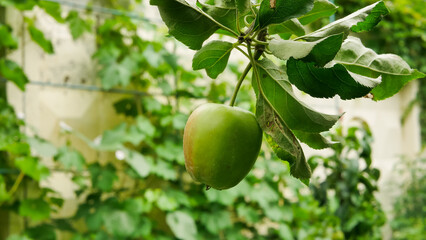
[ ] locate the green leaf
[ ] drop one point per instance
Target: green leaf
(103, 178)
(394, 71)
(38, 37)
(36, 209)
(18, 237)
(117, 73)
(32, 167)
(164, 170)
(375, 16)
(182, 225)
(321, 9)
(41, 232)
(70, 159)
(7, 40)
(281, 139)
(277, 92)
(248, 213)
(19, 4)
(213, 57)
(42, 147)
(320, 52)
(138, 162)
(216, 221)
(327, 82)
(13, 72)
(120, 223)
(313, 140)
(77, 25)
(185, 22)
(287, 28)
(343, 25)
(4, 195)
(53, 9)
(283, 11)
(225, 13)
(284, 231)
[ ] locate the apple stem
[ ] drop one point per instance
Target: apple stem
(240, 81)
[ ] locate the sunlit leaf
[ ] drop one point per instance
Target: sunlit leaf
(394, 71)
(345, 24)
(213, 57)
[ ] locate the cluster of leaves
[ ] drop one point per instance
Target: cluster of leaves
(409, 218)
(322, 63)
(403, 34)
(348, 189)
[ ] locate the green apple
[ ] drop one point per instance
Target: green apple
(221, 144)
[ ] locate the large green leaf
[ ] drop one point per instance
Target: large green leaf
(138, 162)
(13, 72)
(216, 221)
(185, 22)
(70, 159)
(327, 82)
(365, 19)
(320, 52)
(287, 28)
(53, 9)
(32, 167)
(120, 223)
(6, 38)
(276, 89)
(36, 209)
(281, 139)
(38, 37)
(77, 25)
(394, 71)
(182, 225)
(213, 57)
(117, 73)
(4, 195)
(19, 4)
(322, 8)
(284, 10)
(226, 12)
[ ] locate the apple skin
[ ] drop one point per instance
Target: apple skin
(221, 144)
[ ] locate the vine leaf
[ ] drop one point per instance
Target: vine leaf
(284, 10)
(213, 57)
(321, 51)
(277, 90)
(281, 139)
(362, 20)
(227, 11)
(38, 37)
(327, 82)
(186, 23)
(13, 72)
(395, 72)
(322, 8)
